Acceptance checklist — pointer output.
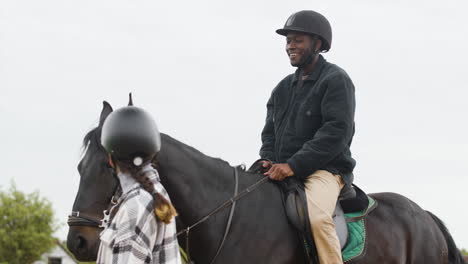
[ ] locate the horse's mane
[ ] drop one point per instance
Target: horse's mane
(93, 136)
(193, 151)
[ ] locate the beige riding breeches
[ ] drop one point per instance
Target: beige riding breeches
(322, 189)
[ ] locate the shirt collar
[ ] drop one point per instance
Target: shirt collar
(315, 72)
(127, 182)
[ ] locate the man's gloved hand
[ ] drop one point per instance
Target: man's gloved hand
(279, 171)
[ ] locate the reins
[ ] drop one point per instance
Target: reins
(231, 201)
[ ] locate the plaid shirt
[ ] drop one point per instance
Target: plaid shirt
(135, 235)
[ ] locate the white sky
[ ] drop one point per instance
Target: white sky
(205, 70)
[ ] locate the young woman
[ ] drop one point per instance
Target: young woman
(142, 225)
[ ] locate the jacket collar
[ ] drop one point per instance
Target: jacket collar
(315, 72)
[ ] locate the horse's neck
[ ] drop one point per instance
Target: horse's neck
(196, 183)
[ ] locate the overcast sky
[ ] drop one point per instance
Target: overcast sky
(205, 70)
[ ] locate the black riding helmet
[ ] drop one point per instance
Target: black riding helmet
(130, 135)
(309, 22)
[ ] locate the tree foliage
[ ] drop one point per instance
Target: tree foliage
(26, 226)
(464, 252)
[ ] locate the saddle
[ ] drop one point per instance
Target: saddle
(351, 199)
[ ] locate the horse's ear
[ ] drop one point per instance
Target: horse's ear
(106, 110)
(130, 100)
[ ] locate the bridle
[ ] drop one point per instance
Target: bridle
(79, 219)
(76, 218)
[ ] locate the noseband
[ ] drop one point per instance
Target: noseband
(79, 219)
(76, 218)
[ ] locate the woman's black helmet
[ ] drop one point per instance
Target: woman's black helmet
(309, 22)
(130, 135)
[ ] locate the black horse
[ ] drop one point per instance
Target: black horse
(398, 230)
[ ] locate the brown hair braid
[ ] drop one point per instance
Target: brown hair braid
(163, 209)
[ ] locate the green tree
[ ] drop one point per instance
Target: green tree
(26, 226)
(464, 251)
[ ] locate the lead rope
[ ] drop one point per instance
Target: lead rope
(216, 210)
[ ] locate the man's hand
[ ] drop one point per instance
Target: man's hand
(279, 172)
(266, 164)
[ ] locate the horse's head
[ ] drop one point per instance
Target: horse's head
(97, 186)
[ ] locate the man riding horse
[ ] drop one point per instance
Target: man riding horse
(310, 125)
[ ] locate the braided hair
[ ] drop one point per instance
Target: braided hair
(163, 208)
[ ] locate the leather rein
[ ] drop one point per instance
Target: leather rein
(231, 201)
(79, 219)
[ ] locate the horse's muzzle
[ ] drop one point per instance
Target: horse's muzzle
(83, 242)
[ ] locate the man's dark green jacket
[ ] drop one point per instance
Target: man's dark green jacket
(310, 126)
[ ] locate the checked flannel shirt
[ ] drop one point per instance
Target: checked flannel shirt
(135, 235)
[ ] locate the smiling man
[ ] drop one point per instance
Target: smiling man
(310, 125)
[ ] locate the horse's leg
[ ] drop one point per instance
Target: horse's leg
(399, 231)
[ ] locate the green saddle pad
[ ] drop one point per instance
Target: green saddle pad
(357, 235)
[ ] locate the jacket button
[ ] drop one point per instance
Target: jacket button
(308, 113)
